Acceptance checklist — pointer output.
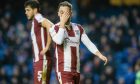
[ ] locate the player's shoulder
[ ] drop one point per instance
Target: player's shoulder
(73, 23)
(39, 17)
(76, 24)
(55, 26)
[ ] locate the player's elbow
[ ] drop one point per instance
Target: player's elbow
(59, 42)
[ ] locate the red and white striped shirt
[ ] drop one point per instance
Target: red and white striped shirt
(67, 47)
(39, 37)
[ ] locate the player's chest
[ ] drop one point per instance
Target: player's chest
(72, 36)
(36, 29)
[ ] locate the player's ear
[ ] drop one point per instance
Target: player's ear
(35, 10)
(71, 12)
(58, 13)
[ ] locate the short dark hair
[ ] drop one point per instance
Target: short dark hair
(65, 3)
(33, 4)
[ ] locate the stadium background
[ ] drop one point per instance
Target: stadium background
(113, 25)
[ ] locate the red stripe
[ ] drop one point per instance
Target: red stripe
(81, 30)
(56, 28)
(55, 61)
(60, 51)
(70, 32)
(73, 59)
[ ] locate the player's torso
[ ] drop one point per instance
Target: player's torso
(72, 37)
(39, 38)
(70, 52)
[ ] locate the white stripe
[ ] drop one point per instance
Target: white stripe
(67, 58)
(78, 59)
(35, 46)
(67, 55)
(56, 53)
(43, 42)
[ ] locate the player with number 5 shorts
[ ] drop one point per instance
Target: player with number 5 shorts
(40, 42)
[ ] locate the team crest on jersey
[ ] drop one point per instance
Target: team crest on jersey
(77, 32)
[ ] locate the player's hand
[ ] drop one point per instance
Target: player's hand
(104, 58)
(43, 52)
(64, 18)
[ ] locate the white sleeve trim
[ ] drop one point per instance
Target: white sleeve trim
(91, 47)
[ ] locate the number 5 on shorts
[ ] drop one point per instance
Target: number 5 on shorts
(39, 77)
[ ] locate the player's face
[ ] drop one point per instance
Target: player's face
(63, 9)
(29, 12)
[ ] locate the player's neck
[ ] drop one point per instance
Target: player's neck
(68, 25)
(68, 22)
(35, 15)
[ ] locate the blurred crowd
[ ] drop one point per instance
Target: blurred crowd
(114, 30)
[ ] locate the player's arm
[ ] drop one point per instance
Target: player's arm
(47, 24)
(57, 37)
(91, 47)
